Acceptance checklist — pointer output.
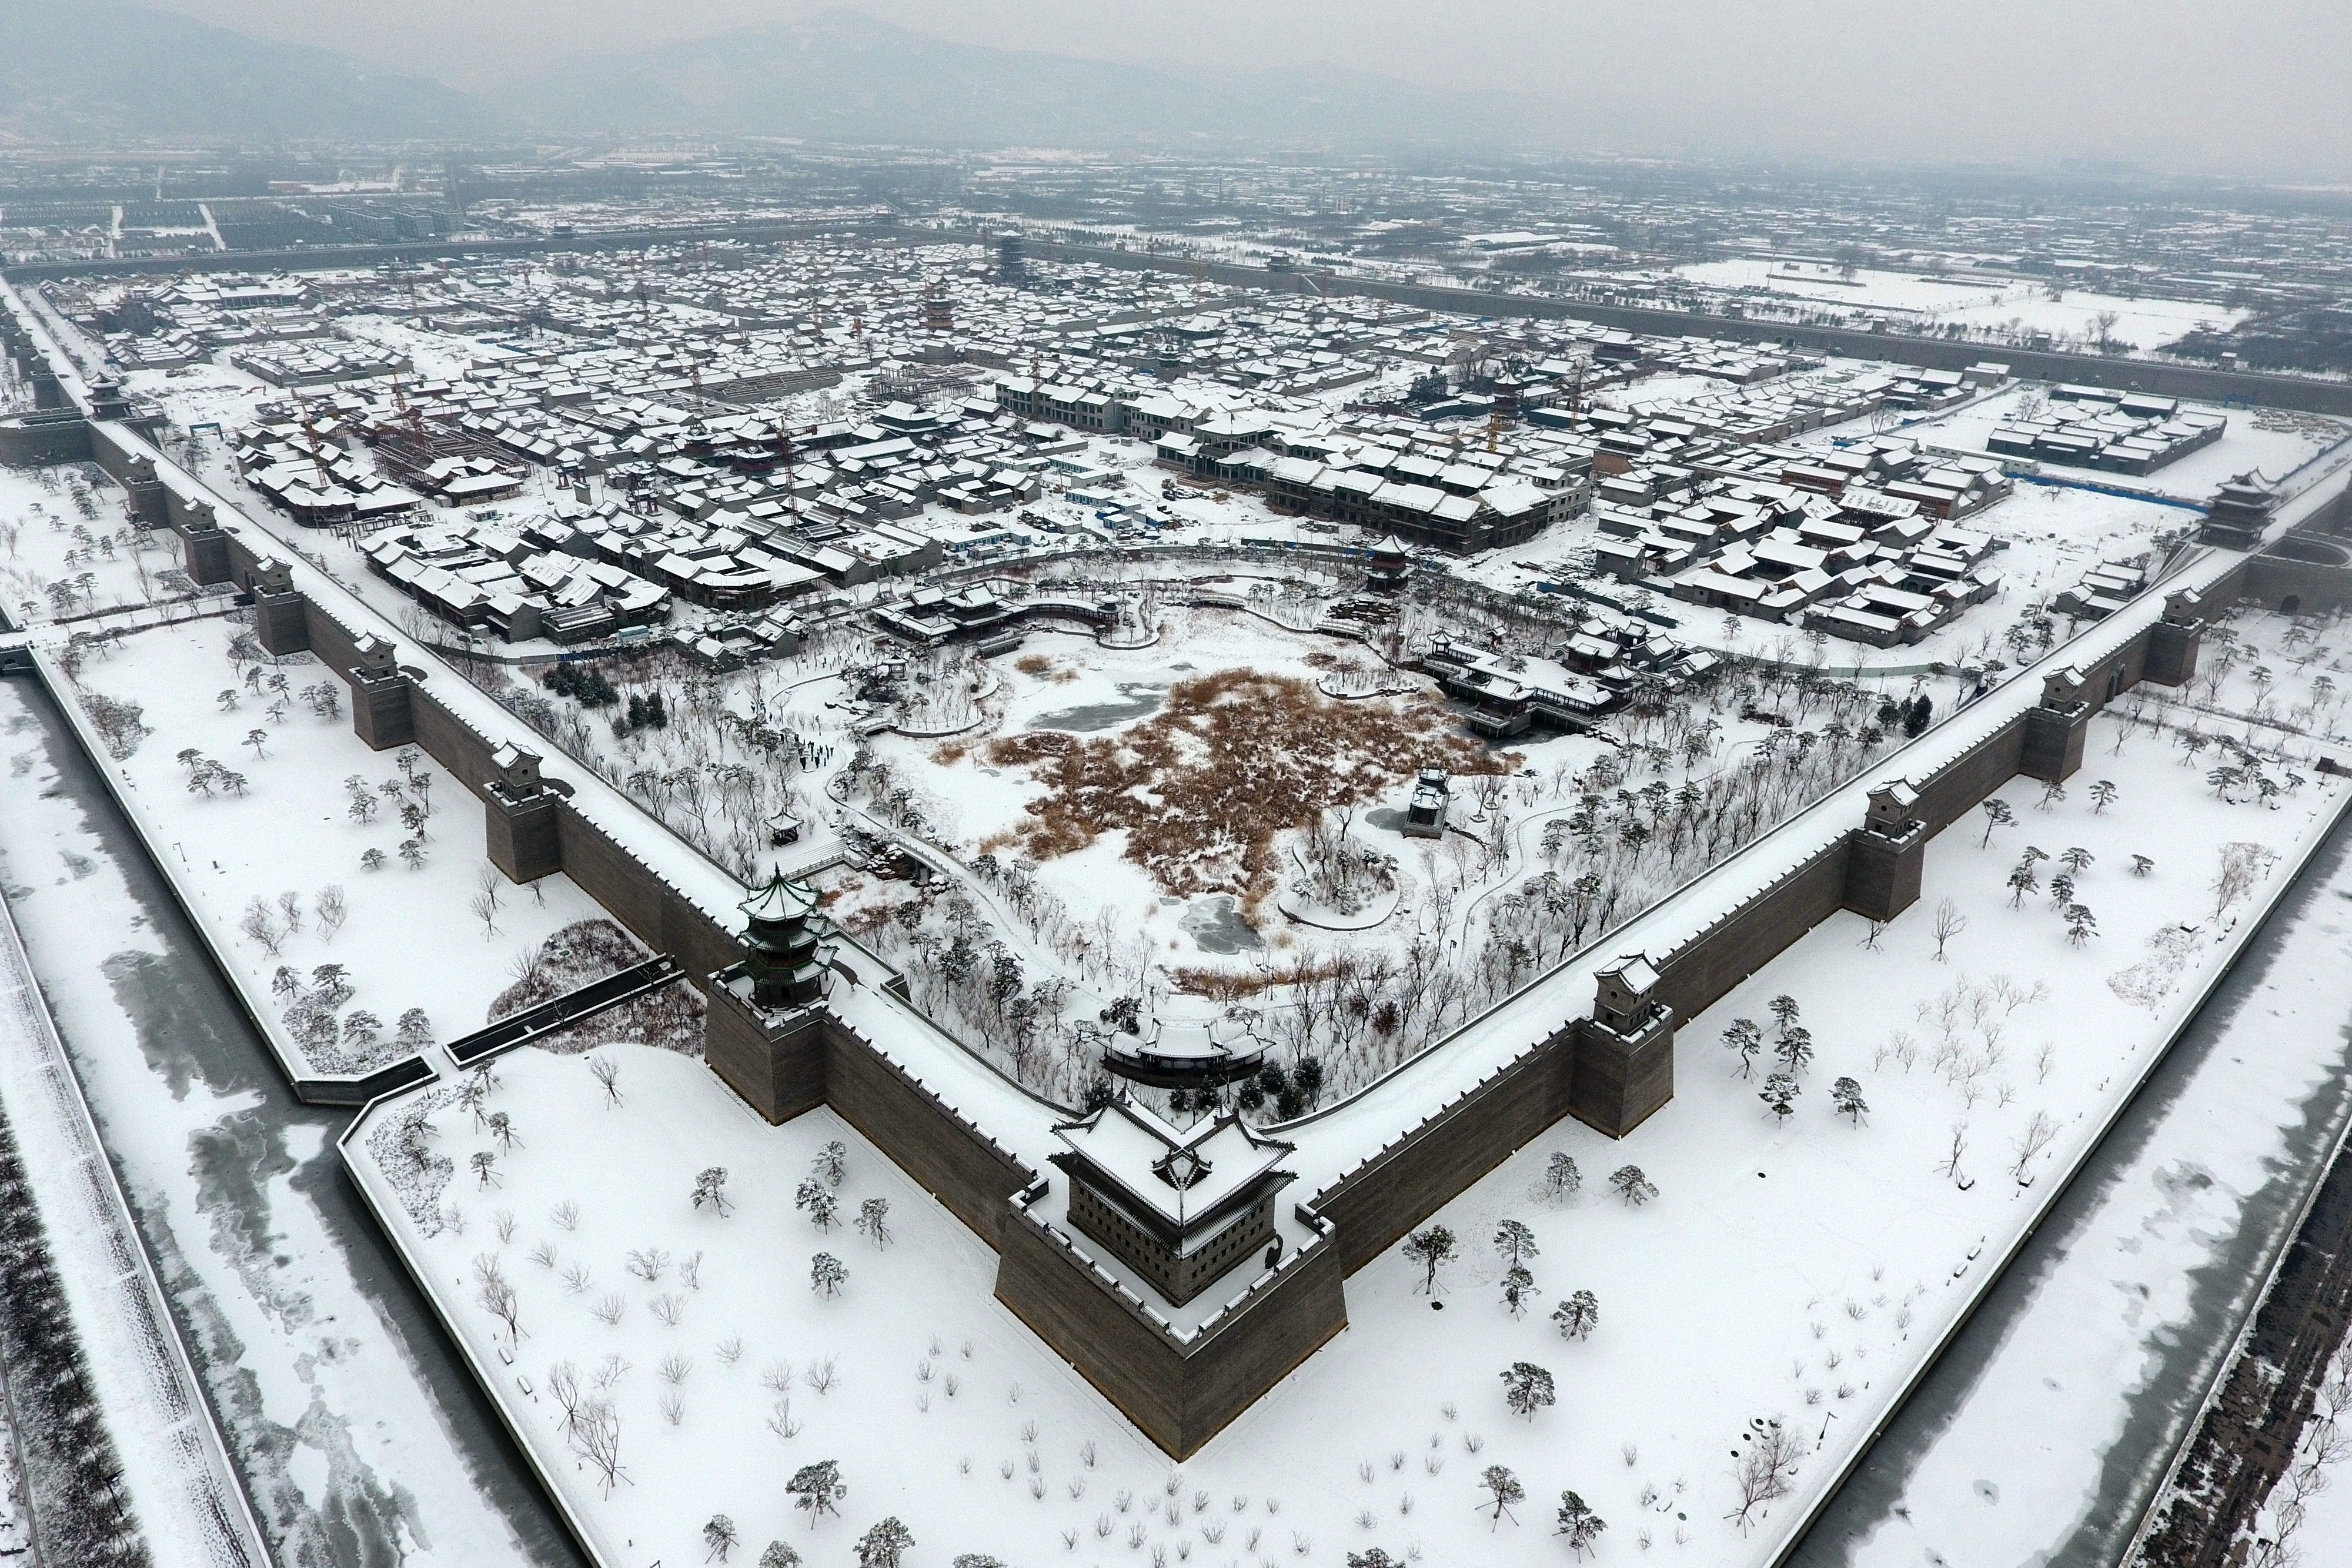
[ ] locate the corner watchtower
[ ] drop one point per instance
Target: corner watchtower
(1180, 1209)
(2239, 514)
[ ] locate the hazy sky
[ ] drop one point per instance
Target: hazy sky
(2259, 85)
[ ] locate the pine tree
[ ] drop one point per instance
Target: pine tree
(1578, 1315)
(1528, 1388)
(1431, 1249)
(819, 1202)
(826, 1274)
(1561, 1178)
(1845, 1094)
(1780, 1092)
(1630, 1183)
(885, 1544)
(1795, 1048)
(1514, 1242)
(1504, 1488)
(1578, 1523)
(815, 1489)
(1747, 1039)
(1518, 1289)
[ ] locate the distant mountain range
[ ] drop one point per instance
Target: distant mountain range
(96, 70)
(845, 76)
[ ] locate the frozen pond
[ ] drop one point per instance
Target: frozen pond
(2042, 1435)
(1138, 700)
(1217, 926)
(360, 1436)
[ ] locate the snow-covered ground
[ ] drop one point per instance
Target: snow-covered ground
(2067, 1419)
(353, 1447)
(69, 547)
(2014, 305)
(1791, 1272)
(408, 940)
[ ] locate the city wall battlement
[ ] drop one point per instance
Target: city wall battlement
(1179, 1389)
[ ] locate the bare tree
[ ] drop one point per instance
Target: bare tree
(496, 1295)
(1950, 923)
(596, 1438)
(607, 1072)
(564, 1387)
(2038, 1133)
(2243, 868)
(1766, 1468)
(332, 909)
(1951, 1161)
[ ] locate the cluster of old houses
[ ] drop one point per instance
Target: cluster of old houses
(302, 468)
(1382, 474)
(2122, 433)
(541, 578)
(1858, 561)
(583, 572)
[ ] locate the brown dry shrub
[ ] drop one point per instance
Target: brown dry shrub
(1032, 663)
(1237, 985)
(1231, 760)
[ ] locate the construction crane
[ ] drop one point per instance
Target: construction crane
(787, 455)
(310, 434)
(405, 410)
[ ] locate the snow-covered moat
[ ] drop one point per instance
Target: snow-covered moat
(361, 1437)
(2040, 1436)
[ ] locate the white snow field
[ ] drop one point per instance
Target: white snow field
(409, 941)
(2013, 304)
(1796, 1271)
